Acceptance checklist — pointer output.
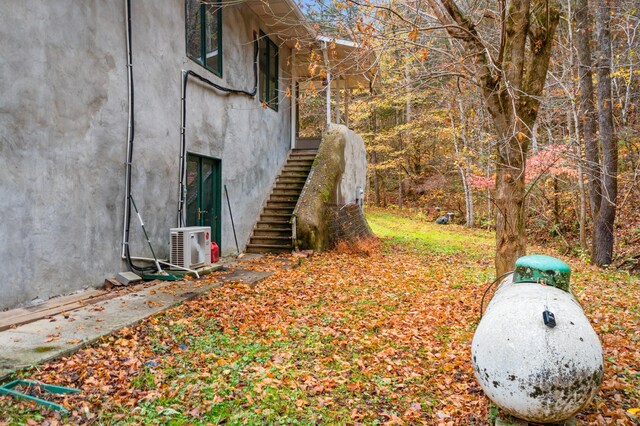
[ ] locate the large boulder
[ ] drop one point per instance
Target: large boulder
(337, 177)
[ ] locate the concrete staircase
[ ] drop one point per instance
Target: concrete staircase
(272, 233)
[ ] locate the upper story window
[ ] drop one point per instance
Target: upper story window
(204, 33)
(268, 72)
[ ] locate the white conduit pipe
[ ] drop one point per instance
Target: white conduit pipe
(164, 262)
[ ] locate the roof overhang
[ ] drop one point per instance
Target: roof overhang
(348, 63)
(285, 20)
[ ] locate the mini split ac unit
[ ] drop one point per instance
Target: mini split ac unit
(191, 246)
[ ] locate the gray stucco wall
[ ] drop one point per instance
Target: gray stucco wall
(63, 131)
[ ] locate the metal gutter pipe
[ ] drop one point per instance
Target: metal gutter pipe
(127, 185)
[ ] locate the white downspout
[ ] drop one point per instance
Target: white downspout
(294, 99)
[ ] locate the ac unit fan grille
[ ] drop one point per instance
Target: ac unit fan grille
(177, 249)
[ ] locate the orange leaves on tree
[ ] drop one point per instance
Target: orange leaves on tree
(424, 54)
(413, 34)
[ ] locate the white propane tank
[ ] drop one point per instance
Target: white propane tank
(534, 352)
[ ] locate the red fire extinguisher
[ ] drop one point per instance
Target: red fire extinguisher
(215, 252)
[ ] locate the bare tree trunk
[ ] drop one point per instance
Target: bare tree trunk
(582, 195)
(603, 176)
(587, 107)
(487, 173)
(400, 201)
(511, 238)
(511, 86)
(603, 225)
(463, 164)
(573, 129)
(398, 120)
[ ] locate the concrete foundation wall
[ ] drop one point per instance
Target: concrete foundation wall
(63, 134)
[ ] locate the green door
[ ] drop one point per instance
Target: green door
(204, 193)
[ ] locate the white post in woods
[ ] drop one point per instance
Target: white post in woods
(347, 95)
(338, 101)
(326, 66)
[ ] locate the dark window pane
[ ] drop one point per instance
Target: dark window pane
(212, 50)
(192, 190)
(273, 75)
(268, 72)
(194, 30)
(207, 191)
(264, 69)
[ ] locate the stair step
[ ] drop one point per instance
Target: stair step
(272, 241)
(281, 204)
(272, 232)
(286, 192)
(299, 162)
(273, 224)
(284, 198)
(302, 155)
(294, 175)
(290, 185)
(276, 217)
(291, 180)
(278, 210)
(298, 184)
(267, 248)
(296, 170)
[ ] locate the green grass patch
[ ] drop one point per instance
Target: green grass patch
(421, 233)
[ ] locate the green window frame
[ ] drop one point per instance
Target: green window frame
(203, 33)
(268, 72)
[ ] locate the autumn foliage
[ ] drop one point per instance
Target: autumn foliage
(370, 333)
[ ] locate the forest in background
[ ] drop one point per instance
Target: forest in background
(433, 147)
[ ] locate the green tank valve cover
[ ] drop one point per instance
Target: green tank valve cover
(543, 269)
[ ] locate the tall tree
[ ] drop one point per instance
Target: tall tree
(511, 74)
(603, 224)
(602, 173)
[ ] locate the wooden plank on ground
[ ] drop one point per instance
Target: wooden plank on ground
(65, 300)
(16, 317)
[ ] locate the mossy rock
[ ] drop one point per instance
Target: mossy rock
(313, 219)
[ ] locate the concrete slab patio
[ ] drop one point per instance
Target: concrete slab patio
(66, 332)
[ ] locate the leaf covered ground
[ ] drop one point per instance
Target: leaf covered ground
(370, 333)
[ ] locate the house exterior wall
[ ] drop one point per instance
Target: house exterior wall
(63, 136)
